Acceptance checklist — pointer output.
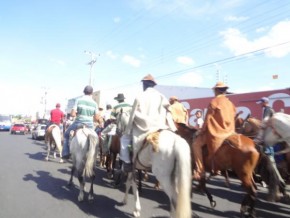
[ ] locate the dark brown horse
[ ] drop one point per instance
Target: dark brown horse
(111, 155)
(237, 153)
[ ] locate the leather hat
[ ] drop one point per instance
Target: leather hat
(149, 77)
(120, 96)
(220, 85)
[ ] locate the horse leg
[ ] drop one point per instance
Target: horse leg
(71, 176)
(139, 180)
(137, 210)
(248, 203)
(91, 192)
(82, 187)
(128, 184)
(48, 152)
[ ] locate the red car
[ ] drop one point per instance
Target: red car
(19, 128)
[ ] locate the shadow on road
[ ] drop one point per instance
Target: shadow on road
(58, 189)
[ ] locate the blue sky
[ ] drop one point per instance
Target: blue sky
(180, 42)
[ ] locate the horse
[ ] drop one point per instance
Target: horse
(111, 155)
(168, 155)
(276, 129)
(53, 139)
(83, 147)
(265, 169)
(236, 153)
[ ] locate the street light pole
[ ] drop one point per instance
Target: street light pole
(91, 63)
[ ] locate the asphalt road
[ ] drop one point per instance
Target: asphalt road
(32, 187)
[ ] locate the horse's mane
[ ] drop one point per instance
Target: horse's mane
(255, 122)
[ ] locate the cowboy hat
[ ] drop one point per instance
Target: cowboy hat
(149, 77)
(119, 97)
(219, 85)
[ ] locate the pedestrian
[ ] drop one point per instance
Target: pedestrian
(199, 119)
(85, 112)
(219, 123)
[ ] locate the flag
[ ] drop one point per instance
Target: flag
(275, 76)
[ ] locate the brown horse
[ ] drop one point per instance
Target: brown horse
(237, 153)
(111, 155)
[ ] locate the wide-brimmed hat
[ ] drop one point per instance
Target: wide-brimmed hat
(263, 100)
(149, 77)
(220, 85)
(119, 97)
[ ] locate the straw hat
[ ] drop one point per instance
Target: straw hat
(220, 85)
(149, 77)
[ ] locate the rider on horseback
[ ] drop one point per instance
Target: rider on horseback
(219, 124)
(56, 116)
(178, 111)
(86, 112)
(149, 114)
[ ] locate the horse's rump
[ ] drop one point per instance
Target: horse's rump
(237, 152)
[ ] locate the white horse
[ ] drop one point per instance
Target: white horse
(53, 138)
(83, 147)
(276, 129)
(170, 163)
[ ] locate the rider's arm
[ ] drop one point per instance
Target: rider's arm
(73, 113)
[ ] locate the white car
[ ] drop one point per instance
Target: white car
(38, 132)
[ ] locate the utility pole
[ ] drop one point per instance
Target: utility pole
(91, 63)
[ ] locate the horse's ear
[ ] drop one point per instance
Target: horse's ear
(249, 115)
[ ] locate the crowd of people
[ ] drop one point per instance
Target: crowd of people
(151, 112)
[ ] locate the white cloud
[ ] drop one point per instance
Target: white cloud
(111, 55)
(191, 79)
(261, 29)
(131, 61)
(185, 60)
(238, 43)
(234, 18)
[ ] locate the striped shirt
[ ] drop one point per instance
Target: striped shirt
(86, 108)
(118, 108)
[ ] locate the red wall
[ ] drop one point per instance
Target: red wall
(279, 101)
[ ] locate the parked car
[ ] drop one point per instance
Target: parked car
(38, 132)
(19, 128)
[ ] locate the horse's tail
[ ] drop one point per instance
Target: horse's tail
(56, 134)
(183, 204)
(91, 155)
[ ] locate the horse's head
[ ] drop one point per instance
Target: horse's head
(122, 120)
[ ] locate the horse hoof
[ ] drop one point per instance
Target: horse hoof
(61, 161)
(213, 204)
(136, 214)
(91, 199)
(47, 159)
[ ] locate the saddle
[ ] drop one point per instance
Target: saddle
(234, 140)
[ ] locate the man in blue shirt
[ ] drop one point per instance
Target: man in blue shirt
(86, 112)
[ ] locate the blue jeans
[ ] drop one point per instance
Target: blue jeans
(73, 126)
